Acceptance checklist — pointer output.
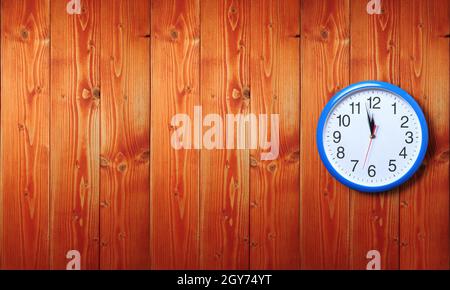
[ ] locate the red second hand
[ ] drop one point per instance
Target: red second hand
(370, 145)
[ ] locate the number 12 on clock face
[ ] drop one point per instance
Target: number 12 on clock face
(372, 136)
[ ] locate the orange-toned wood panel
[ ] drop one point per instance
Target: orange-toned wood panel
(125, 134)
(24, 191)
(174, 173)
(374, 218)
(275, 90)
(325, 70)
(87, 164)
(424, 201)
(75, 134)
(224, 174)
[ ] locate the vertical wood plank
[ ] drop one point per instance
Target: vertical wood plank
(424, 211)
(374, 218)
(325, 71)
(275, 89)
(174, 173)
(75, 134)
(224, 174)
(24, 134)
(125, 134)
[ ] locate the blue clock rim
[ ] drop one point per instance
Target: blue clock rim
(364, 86)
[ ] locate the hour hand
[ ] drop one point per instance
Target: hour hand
(371, 123)
(373, 128)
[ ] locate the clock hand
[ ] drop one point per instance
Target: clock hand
(370, 121)
(370, 145)
(372, 125)
(373, 128)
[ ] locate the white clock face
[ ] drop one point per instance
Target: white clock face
(372, 137)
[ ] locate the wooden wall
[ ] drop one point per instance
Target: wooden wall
(86, 108)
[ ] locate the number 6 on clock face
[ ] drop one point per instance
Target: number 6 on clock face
(372, 136)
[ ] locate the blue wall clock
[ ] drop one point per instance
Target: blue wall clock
(372, 136)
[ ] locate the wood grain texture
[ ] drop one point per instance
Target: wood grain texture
(424, 211)
(86, 108)
(174, 173)
(125, 134)
(75, 135)
(224, 174)
(24, 134)
(374, 218)
(275, 89)
(324, 201)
